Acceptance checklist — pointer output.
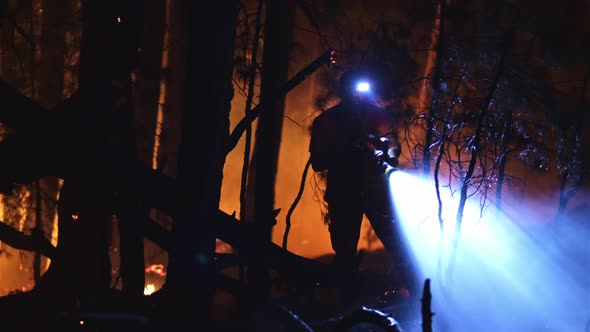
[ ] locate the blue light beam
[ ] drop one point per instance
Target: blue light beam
(506, 276)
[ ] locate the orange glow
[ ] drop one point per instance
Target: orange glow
(1, 216)
(24, 207)
(54, 226)
(162, 97)
(308, 235)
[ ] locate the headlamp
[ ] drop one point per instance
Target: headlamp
(363, 87)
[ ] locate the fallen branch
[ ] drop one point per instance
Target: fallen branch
(326, 58)
(239, 235)
(22, 113)
(36, 241)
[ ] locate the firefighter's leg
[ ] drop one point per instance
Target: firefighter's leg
(345, 225)
(382, 218)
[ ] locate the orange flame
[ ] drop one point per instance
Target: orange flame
(157, 269)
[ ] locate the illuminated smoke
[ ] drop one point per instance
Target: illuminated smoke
(509, 274)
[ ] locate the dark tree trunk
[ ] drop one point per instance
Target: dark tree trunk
(83, 246)
(107, 55)
(85, 217)
(50, 87)
(91, 258)
(174, 76)
(148, 121)
(148, 77)
(130, 211)
(52, 48)
(9, 63)
(205, 131)
(278, 39)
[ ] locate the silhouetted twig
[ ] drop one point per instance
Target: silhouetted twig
(292, 208)
(426, 313)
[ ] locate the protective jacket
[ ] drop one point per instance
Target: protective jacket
(342, 144)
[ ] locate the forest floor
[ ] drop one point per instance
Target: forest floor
(321, 307)
(291, 309)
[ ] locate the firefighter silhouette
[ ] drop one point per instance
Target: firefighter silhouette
(353, 142)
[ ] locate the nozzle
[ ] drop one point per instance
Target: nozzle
(390, 169)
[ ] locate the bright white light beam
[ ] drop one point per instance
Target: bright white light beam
(506, 276)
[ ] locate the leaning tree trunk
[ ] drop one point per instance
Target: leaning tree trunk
(208, 90)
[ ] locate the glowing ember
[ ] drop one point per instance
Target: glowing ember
(74, 216)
